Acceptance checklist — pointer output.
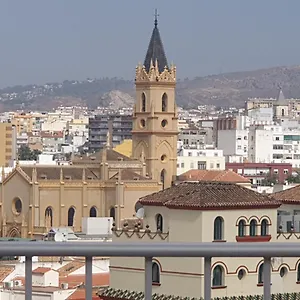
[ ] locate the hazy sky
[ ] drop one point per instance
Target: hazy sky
(46, 41)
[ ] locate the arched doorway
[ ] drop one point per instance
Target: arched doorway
(14, 233)
(93, 212)
(71, 215)
(112, 213)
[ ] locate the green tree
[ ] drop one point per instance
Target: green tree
(25, 153)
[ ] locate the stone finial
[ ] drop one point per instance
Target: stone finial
(108, 140)
(83, 174)
(61, 174)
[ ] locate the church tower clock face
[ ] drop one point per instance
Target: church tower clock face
(155, 113)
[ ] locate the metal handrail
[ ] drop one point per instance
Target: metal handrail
(149, 250)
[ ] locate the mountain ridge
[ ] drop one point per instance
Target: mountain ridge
(228, 89)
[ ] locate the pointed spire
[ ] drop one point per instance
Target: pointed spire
(33, 175)
(155, 49)
(280, 97)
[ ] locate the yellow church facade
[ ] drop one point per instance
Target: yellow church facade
(105, 184)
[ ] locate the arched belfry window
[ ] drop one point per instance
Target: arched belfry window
(71, 215)
(143, 102)
(163, 178)
(93, 212)
(49, 214)
(164, 102)
(282, 112)
(155, 273)
(159, 222)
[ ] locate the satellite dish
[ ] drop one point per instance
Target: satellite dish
(140, 213)
(58, 237)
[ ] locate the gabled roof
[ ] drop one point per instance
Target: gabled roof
(213, 175)
(289, 196)
(209, 196)
(41, 270)
(155, 51)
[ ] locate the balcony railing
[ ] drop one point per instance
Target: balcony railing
(148, 251)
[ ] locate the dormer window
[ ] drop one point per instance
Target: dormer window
(68, 177)
(43, 176)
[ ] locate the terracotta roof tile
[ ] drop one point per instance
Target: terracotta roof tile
(99, 279)
(209, 195)
(41, 270)
(70, 268)
(5, 271)
(291, 195)
(213, 175)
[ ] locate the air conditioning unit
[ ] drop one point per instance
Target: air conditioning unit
(64, 286)
(18, 283)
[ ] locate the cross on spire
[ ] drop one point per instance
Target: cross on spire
(156, 15)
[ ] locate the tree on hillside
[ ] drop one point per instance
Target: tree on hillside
(25, 153)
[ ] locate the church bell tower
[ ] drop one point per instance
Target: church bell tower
(155, 130)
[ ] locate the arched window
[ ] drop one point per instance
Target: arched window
(93, 212)
(253, 224)
(155, 273)
(218, 229)
(261, 274)
(282, 112)
(112, 213)
(218, 276)
(159, 222)
(298, 273)
(242, 228)
(164, 101)
(71, 215)
(264, 227)
(49, 214)
(163, 178)
(143, 102)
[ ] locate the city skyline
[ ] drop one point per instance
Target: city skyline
(44, 42)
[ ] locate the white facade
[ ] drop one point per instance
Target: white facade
(201, 159)
(233, 142)
(48, 278)
(198, 226)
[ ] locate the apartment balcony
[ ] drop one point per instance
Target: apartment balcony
(148, 251)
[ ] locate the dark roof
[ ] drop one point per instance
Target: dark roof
(209, 195)
(53, 172)
(156, 51)
(291, 195)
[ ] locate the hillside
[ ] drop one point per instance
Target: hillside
(229, 89)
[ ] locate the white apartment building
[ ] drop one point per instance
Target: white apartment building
(233, 142)
(274, 144)
(201, 159)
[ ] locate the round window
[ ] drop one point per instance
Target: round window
(143, 123)
(283, 271)
(17, 206)
(164, 123)
(241, 274)
(163, 158)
